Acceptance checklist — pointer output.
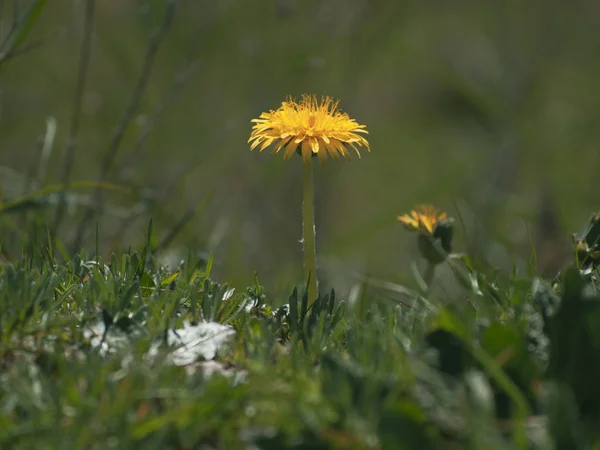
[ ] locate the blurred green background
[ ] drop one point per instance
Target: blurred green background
(487, 109)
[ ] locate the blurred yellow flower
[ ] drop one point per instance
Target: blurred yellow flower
(423, 219)
(310, 126)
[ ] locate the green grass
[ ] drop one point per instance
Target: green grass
(119, 354)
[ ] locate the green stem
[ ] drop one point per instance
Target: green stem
(308, 231)
(429, 273)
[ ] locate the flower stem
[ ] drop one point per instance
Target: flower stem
(309, 232)
(429, 274)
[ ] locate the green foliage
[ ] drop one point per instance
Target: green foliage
(132, 353)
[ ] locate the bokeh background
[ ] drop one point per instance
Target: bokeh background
(489, 110)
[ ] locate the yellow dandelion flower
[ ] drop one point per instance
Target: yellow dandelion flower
(435, 233)
(309, 127)
(423, 219)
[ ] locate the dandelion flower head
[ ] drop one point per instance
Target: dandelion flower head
(424, 218)
(309, 127)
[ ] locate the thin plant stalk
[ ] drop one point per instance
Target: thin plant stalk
(308, 231)
(429, 274)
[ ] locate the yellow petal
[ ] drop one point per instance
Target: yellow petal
(280, 145)
(332, 150)
(408, 221)
(355, 149)
(290, 149)
(366, 144)
(343, 150)
(405, 219)
(322, 154)
(267, 142)
(314, 144)
(256, 142)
